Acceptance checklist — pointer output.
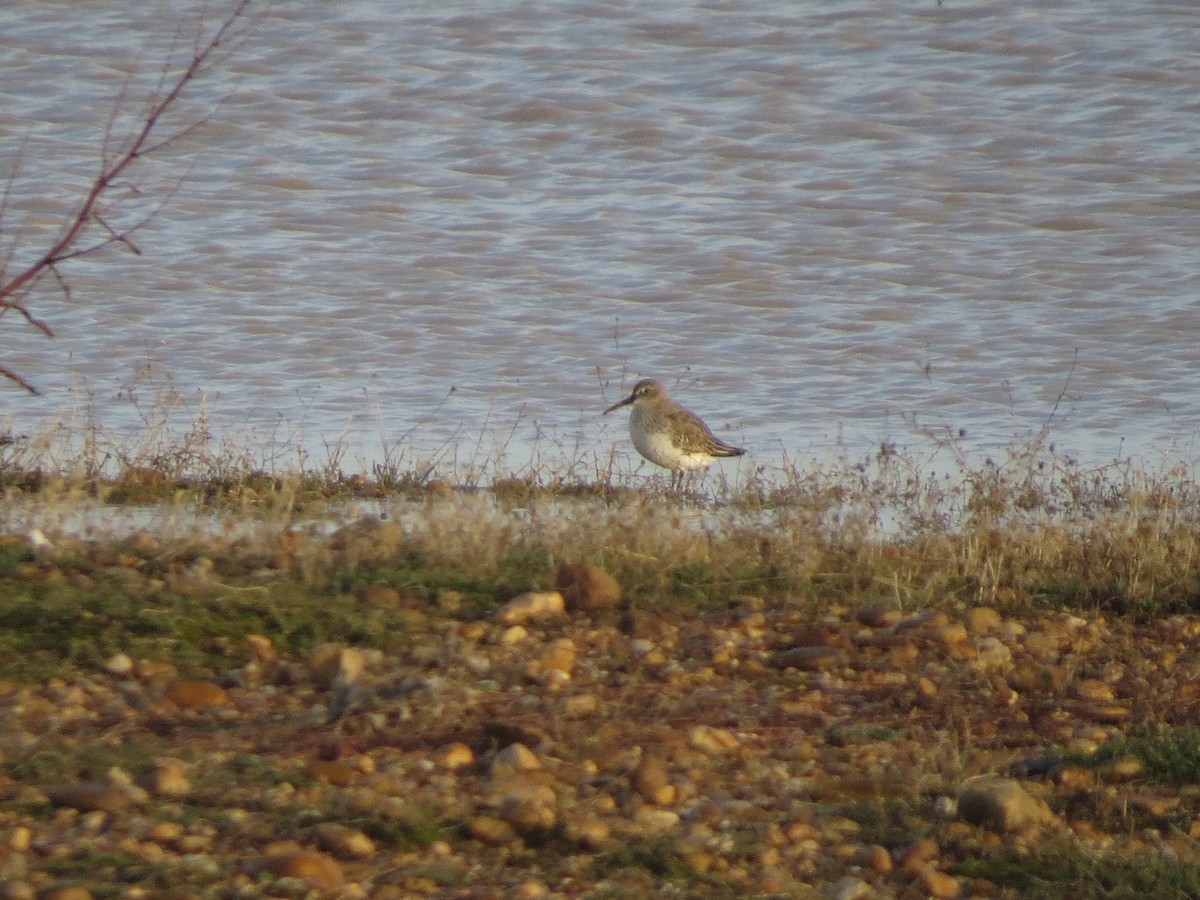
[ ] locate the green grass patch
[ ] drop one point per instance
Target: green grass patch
(420, 827)
(60, 759)
(12, 554)
(1168, 755)
(658, 857)
(49, 627)
(111, 873)
(1059, 869)
(654, 867)
(254, 770)
(889, 820)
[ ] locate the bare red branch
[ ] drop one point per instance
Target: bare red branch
(8, 373)
(143, 140)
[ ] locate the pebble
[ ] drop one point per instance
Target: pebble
(333, 771)
(168, 778)
(938, 884)
(450, 602)
(454, 757)
(155, 672)
(68, 893)
(532, 606)
(119, 664)
(946, 807)
(262, 648)
(649, 775)
(349, 663)
(529, 807)
(579, 705)
(20, 839)
(849, 888)
(812, 659)
(708, 739)
(953, 633)
(801, 831)
(991, 655)
(587, 588)
(652, 780)
(315, 869)
(1000, 804)
(471, 632)
(513, 635)
(90, 797)
(166, 832)
(1011, 630)
(655, 820)
(876, 858)
(1074, 780)
(490, 830)
(1108, 713)
(197, 694)
(588, 832)
(560, 657)
(1093, 689)
(981, 619)
(344, 842)
(93, 821)
(922, 851)
(1122, 769)
(514, 758)
(1042, 644)
(879, 615)
(1158, 807)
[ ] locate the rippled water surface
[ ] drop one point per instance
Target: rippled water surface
(452, 223)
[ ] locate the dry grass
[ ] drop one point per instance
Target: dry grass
(913, 527)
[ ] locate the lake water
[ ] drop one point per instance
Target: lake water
(453, 230)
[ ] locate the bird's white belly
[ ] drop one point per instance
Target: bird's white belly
(658, 447)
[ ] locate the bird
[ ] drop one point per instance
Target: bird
(669, 435)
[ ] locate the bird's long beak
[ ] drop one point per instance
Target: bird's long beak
(624, 402)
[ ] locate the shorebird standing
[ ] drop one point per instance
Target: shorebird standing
(669, 435)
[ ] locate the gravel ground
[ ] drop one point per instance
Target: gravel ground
(581, 749)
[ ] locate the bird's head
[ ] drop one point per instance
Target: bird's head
(645, 389)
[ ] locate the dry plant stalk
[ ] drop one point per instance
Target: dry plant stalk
(144, 139)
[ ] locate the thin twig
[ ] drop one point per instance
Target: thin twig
(13, 376)
(15, 289)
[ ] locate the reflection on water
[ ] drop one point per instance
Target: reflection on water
(816, 222)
